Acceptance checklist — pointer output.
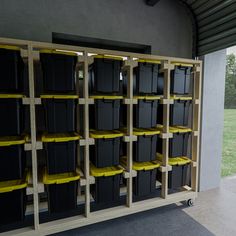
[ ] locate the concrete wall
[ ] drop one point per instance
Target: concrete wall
(212, 119)
(166, 27)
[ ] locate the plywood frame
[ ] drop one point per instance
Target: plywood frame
(30, 50)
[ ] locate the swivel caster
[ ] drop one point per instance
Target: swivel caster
(190, 202)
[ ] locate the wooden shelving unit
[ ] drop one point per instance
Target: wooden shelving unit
(30, 51)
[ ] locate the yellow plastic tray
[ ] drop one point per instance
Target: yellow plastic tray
(60, 178)
(49, 138)
(53, 51)
(45, 96)
(104, 172)
(9, 47)
(175, 129)
(105, 134)
(149, 61)
(175, 161)
(12, 95)
(181, 98)
(147, 132)
(147, 97)
(142, 165)
(12, 185)
(182, 64)
(109, 57)
(11, 140)
(107, 97)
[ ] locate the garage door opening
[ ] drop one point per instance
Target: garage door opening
(229, 143)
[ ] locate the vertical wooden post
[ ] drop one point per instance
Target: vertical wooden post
(86, 133)
(196, 116)
(33, 136)
(129, 65)
(166, 115)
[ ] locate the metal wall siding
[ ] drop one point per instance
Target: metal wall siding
(216, 23)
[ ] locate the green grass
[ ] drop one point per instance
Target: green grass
(229, 144)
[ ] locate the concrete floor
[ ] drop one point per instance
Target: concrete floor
(216, 209)
(214, 213)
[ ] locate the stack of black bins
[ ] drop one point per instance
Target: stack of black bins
(13, 181)
(147, 88)
(60, 138)
(178, 156)
(104, 121)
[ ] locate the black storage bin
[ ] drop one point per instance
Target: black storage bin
(179, 113)
(104, 74)
(62, 191)
(145, 146)
(106, 151)
(146, 78)
(145, 182)
(58, 71)
(145, 113)
(11, 119)
(61, 153)
(107, 184)
(12, 158)
(11, 69)
(180, 80)
(60, 115)
(105, 114)
(178, 145)
(12, 201)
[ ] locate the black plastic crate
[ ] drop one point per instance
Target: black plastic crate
(12, 201)
(105, 114)
(178, 145)
(61, 153)
(145, 182)
(145, 146)
(179, 113)
(107, 184)
(58, 71)
(62, 191)
(60, 115)
(12, 158)
(11, 69)
(106, 151)
(145, 113)
(12, 116)
(178, 177)
(104, 74)
(181, 80)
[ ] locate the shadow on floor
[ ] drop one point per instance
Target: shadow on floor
(168, 220)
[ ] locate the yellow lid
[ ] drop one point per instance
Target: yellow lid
(107, 171)
(150, 131)
(66, 137)
(60, 178)
(147, 97)
(11, 140)
(62, 52)
(9, 47)
(108, 97)
(182, 64)
(12, 185)
(180, 129)
(98, 134)
(109, 57)
(150, 165)
(45, 96)
(175, 161)
(180, 98)
(12, 95)
(149, 61)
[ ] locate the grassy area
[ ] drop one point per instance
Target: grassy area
(229, 143)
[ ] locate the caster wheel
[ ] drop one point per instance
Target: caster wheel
(190, 202)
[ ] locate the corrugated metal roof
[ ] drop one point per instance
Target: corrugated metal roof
(215, 24)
